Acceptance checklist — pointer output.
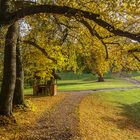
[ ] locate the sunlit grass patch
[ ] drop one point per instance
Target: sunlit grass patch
(111, 116)
(28, 91)
(68, 85)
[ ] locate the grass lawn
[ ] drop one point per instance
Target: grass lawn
(111, 116)
(70, 81)
(28, 91)
(80, 84)
(135, 75)
(137, 78)
(67, 85)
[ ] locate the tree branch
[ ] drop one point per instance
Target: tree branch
(134, 50)
(94, 32)
(40, 49)
(69, 12)
(113, 43)
(136, 57)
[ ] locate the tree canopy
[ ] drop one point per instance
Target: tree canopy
(60, 34)
(8, 17)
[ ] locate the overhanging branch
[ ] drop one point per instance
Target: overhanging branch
(136, 57)
(94, 32)
(40, 49)
(69, 12)
(134, 50)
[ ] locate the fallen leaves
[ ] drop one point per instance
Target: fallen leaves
(101, 120)
(25, 119)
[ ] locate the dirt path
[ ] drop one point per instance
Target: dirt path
(61, 123)
(103, 89)
(134, 81)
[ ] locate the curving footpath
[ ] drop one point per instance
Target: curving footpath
(62, 123)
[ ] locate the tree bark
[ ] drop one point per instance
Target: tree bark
(68, 12)
(100, 78)
(4, 6)
(18, 93)
(9, 72)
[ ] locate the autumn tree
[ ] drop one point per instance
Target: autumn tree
(122, 59)
(106, 17)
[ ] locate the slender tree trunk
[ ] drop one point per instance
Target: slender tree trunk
(18, 93)
(9, 72)
(100, 78)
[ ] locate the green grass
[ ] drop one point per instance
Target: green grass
(137, 78)
(135, 75)
(70, 81)
(28, 91)
(68, 85)
(112, 115)
(127, 101)
(121, 97)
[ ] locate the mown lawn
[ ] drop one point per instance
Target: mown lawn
(70, 81)
(28, 91)
(137, 78)
(67, 85)
(113, 115)
(80, 84)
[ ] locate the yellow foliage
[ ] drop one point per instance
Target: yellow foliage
(26, 119)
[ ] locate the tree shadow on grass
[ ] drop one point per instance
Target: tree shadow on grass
(132, 113)
(129, 117)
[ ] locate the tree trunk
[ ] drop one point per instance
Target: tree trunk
(100, 78)
(18, 93)
(4, 6)
(9, 72)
